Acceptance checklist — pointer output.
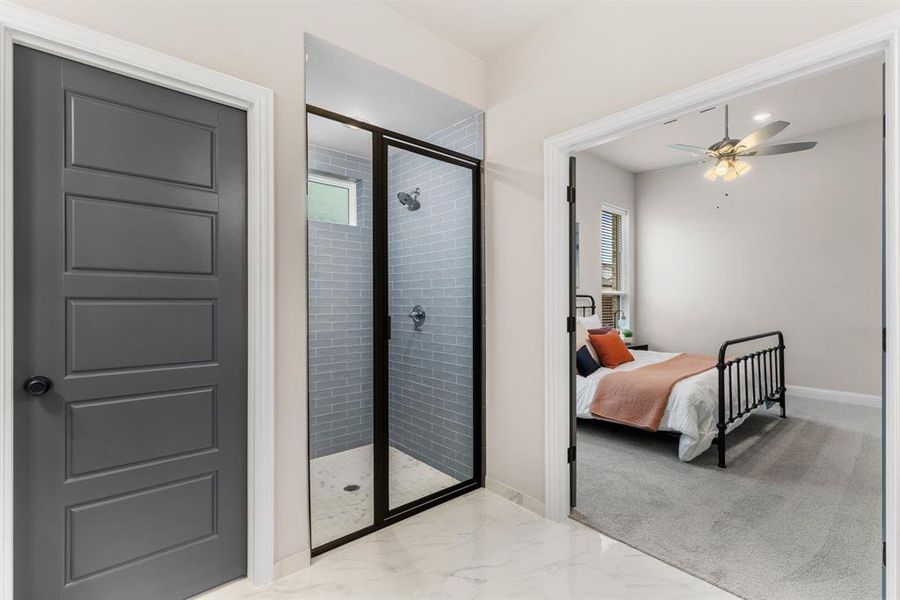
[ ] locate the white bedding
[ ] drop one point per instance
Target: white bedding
(691, 411)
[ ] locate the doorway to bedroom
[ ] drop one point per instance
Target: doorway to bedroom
(394, 296)
(727, 356)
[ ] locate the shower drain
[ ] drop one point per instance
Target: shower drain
(351, 488)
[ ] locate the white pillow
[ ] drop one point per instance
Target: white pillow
(590, 322)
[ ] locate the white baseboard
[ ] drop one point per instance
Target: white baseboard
(510, 493)
(812, 393)
(292, 563)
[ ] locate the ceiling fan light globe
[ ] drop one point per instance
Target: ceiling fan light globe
(711, 174)
(721, 168)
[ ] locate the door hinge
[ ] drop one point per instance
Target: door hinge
(570, 194)
(570, 454)
(570, 324)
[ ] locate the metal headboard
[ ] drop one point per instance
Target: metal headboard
(581, 308)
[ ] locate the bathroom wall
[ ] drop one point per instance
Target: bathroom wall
(430, 258)
(340, 315)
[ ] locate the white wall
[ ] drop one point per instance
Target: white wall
(262, 42)
(795, 245)
(599, 183)
(593, 61)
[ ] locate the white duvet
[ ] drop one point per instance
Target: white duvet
(691, 411)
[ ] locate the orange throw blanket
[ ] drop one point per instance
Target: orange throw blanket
(639, 397)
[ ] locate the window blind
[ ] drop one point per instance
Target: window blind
(610, 250)
(608, 307)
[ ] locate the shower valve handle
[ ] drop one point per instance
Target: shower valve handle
(418, 316)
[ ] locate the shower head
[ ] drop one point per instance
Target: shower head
(410, 201)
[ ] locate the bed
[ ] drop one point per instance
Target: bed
(703, 408)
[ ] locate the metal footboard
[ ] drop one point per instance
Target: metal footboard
(748, 381)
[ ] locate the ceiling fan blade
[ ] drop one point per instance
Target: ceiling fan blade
(711, 174)
(698, 150)
(781, 148)
(761, 135)
(681, 165)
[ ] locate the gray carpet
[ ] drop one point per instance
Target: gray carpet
(796, 515)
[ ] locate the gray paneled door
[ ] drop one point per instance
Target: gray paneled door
(130, 296)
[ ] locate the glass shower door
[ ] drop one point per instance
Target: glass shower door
(340, 307)
(432, 445)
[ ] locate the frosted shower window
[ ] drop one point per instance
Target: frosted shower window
(331, 199)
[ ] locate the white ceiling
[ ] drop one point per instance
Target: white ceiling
(482, 27)
(355, 87)
(816, 103)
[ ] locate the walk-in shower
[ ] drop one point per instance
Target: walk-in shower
(394, 296)
(394, 323)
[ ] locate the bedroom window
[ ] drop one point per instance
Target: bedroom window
(613, 264)
(331, 199)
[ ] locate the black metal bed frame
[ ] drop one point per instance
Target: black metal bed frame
(763, 373)
(754, 379)
(584, 308)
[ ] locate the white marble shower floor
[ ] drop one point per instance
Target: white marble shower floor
(336, 512)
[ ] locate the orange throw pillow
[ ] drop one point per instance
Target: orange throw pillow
(611, 349)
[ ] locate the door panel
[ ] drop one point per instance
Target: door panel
(120, 334)
(573, 275)
(147, 239)
(104, 533)
(115, 432)
(130, 288)
(431, 404)
(108, 136)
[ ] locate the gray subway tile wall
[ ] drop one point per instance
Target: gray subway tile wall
(430, 263)
(340, 315)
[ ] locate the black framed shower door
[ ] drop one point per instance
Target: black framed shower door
(427, 376)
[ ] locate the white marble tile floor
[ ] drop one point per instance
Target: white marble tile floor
(481, 546)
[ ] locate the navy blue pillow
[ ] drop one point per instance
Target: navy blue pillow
(584, 362)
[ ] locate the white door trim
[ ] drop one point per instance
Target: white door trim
(36, 30)
(878, 35)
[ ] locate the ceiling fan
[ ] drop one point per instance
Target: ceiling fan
(728, 152)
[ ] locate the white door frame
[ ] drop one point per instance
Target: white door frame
(878, 35)
(36, 30)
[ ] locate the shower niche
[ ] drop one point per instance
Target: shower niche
(394, 314)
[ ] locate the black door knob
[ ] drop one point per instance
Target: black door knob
(38, 385)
